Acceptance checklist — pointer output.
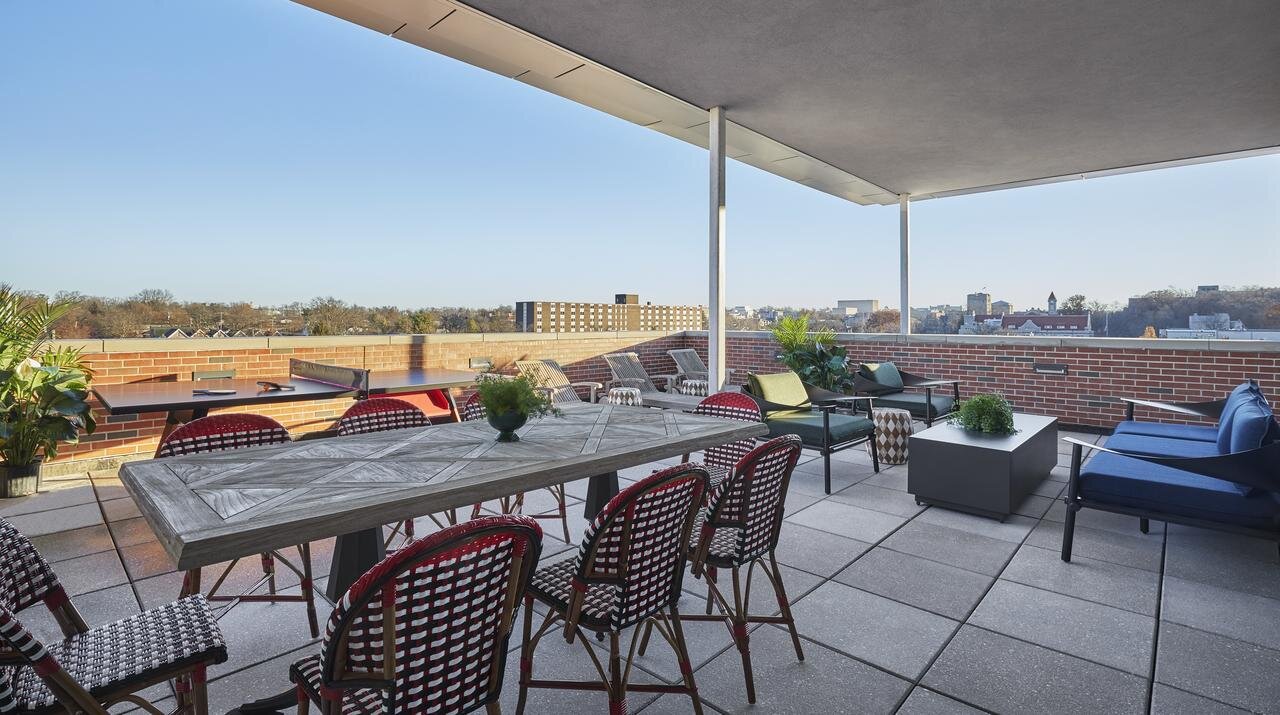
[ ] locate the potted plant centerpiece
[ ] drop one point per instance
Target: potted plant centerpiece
(989, 413)
(44, 391)
(508, 403)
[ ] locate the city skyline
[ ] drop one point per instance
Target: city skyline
(323, 159)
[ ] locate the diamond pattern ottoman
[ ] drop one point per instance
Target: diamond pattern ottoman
(624, 396)
(698, 388)
(893, 429)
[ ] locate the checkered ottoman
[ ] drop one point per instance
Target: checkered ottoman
(698, 388)
(893, 427)
(623, 396)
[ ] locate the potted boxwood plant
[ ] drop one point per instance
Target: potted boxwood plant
(508, 403)
(44, 391)
(989, 413)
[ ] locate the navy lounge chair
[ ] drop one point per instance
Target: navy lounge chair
(1231, 483)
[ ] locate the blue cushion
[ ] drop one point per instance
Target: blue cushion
(1161, 446)
(1252, 426)
(1203, 433)
(1242, 394)
(1124, 481)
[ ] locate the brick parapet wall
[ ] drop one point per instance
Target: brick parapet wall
(122, 437)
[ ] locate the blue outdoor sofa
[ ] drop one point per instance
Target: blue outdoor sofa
(1224, 477)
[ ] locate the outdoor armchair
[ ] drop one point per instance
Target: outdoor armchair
(549, 377)
(689, 365)
(888, 385)
(1214, 410)
(792, 406)
(628, 371)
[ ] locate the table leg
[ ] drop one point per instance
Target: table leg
(600, 490)
(353, 554)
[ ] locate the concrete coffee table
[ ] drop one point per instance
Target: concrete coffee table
(981, 473)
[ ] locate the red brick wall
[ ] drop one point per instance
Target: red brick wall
(124, 361)
(1099, 371)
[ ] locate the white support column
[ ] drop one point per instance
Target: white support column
(715, 257)
(904, 277)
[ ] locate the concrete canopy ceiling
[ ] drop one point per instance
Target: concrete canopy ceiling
(929, 97)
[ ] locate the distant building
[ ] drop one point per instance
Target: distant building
(1002, 307)
(1213, 321)
(625, 313)
(1037, 323)
(1053, 304)
(855, 307)
(1200, 290)
(742, 311)
(978, 303)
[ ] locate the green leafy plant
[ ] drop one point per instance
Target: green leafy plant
(814, 356)
(44, 390)
(519, 395)
(986, 413)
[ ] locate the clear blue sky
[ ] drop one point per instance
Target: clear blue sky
(259, 150)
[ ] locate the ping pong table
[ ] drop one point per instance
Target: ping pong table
(306, 381)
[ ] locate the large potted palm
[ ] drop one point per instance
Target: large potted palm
(44, 391)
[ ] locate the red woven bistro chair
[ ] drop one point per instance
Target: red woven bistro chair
(627, 573)
(740, 527)
(217, 433)
(91, 669)
(427, 629)
(382, 414)
(721, 459)
(473, 409)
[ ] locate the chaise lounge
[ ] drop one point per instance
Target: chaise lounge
(1173, 473)
(888, 384)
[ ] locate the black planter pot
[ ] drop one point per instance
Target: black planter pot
(507, 423)
(19, 481)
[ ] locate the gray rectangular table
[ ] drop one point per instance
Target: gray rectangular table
(982, 473)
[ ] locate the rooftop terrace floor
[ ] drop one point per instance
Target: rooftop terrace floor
(901, 608)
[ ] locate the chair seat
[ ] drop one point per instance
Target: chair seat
(915, 403)
(1200, 433)
(723, 551)
(306, 673)
(1161, 446)
(808, 427)
(128, 653)
(1124, 481)
(553, 585)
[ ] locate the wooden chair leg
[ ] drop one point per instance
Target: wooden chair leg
(682, 656)
(526, 655)
(304, 700)
(784, 604)
(199, 692)
(308, 589)
(617, 687)
(269, 570)
(742, 636)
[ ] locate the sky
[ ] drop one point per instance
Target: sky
(259, 150)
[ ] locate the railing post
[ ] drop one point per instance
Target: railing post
(715, 301)
(904, 277)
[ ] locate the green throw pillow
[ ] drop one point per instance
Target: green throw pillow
(783, 388)
(884, 373)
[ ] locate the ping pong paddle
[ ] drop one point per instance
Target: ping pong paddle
(269, 386)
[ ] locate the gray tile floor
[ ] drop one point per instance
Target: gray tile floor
(901, 608)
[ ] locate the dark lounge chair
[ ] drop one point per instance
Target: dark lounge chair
(1230, 484)
(888, 384)
(792, 406)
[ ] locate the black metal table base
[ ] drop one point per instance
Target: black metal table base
(600, 489)
(353, 554)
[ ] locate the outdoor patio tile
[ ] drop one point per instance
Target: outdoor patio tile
(52, 495)
(1049, 488)
(853, 455)
(1060, 473)
(98, 608)
(159, 590)
(890, 501)
(76, 542)
(892, 635)
(843, 475)
(848, 521)
(1034, 505)
(555, 659)
(264, 679)
(145, 560)
(55, 520)
(1099, 581)
(926, 702)
(891, 479)
(1218, 667)
(1171, 701)
(796, 501)
(1137, 550)
(1231, 561)
(825, 681)
(1013, 529)
(704, 639)
(131, 532)
(676, 704)
(795, 582)
(1122, 524)
(1003, 674)
(952, 546)
(91, 573)
(120, 509)
(1102, 634)
(815, 551)
(256, 632)
(942, 589)
(1243, 616)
